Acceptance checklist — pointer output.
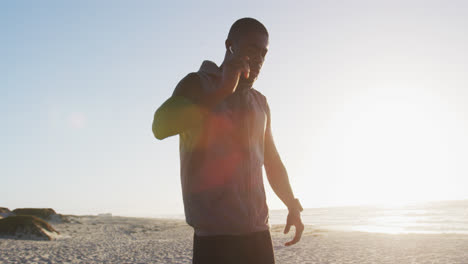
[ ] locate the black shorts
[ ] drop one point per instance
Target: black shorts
(226, 249)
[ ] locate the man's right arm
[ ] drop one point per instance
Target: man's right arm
(189, 103)
(182, 110)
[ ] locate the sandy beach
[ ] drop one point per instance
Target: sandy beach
(97, 239)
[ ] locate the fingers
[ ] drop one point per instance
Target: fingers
(241, 65)
(297, 236)
(287, 228)
(246, 67)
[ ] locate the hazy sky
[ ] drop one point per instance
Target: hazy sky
(368, 99)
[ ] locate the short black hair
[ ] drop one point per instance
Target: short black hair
(244, 26)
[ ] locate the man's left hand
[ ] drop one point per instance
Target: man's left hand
(294, 219)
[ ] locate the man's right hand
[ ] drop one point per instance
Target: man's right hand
(294, 219)
(233, 67)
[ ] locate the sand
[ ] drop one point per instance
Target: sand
(94, 239)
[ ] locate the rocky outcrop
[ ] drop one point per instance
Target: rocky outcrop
(5, 212)
(27, 227)
(47, 214)
(43, 213)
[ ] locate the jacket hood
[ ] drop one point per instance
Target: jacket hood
(210, 68)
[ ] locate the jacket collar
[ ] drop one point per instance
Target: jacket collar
(210, 68)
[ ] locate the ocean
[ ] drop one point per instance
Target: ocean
(429, 217)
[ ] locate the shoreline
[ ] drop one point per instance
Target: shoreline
(117, 239)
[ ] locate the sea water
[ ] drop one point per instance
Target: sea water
(430, 217)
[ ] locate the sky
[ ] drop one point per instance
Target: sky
(368, 99)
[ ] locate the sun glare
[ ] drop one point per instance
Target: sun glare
(393, 149)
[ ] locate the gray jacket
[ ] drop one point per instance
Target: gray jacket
(221, 163)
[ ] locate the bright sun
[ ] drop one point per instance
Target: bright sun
(390, 146)
(395, 148)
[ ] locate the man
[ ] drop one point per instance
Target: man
(225, 134)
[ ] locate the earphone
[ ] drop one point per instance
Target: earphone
(230, 49)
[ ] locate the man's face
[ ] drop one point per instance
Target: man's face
(254, 45)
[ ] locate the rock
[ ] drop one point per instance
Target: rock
(47, 214)
(43, 213)
(27, 227)
(5, 212)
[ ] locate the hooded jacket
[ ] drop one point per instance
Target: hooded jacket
(221, 163)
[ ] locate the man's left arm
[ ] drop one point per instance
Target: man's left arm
(279, 182)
